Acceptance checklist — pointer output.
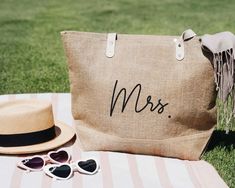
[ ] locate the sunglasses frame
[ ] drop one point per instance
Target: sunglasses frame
(82, 171)
(46, 159)
(28, 169)
(50, 174)
(73, 166)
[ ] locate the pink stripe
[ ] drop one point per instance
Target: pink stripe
(208, 175)
(11, 97)
(33, 96)
(201, 173)
(215, 178)
(77, 179)
(106, 170)
(46, 180)
(17, 173)
(192, 176)
(162, 173)
(137, 182)
(54, 99)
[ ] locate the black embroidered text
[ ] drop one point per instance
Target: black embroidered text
(159, 106)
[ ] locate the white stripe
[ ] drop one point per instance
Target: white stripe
(44, 96)
(147, 171)
(61, 183)
(22, 96)
(3, 98)
(120, 170)
(7, 164)
(178, 174)
(64, 111)
(92, 180)
(63, 114)
(31, 179)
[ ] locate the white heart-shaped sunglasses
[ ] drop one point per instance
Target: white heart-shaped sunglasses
(65, 171)
(37, 162)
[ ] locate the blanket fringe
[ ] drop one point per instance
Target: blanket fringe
(223, 63)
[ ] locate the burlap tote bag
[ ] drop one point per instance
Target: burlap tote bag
(141, 94)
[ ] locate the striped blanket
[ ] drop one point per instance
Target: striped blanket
(118, 170)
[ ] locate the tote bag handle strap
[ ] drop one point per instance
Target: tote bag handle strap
(110, 47)
(186, 35)
(179, 43)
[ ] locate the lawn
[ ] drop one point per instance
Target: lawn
(32, 58)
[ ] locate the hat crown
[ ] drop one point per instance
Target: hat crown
(25, 116)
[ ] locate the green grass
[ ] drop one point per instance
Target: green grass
(32, 58)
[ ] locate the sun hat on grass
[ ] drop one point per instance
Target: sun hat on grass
(28, 126)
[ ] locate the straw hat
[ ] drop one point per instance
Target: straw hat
(28, 126)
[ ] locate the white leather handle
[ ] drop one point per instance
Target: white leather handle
(179, 43)
(110, 48)
(188, 34)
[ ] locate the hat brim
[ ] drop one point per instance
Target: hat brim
(64, 133)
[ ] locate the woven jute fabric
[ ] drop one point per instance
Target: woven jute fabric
(142, 100)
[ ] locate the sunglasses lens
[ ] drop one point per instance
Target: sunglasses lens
(89, 165)
(34, 163)
(60, 156)
(61, 171)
